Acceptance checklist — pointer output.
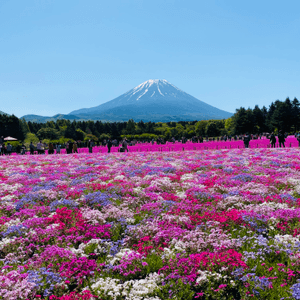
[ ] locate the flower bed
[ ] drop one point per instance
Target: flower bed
(217, 224)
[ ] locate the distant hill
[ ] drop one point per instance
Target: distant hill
(3, 113)
(153, 100)
(41, 119)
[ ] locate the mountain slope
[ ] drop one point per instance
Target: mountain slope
(41, 119)
(3, 113)
(151, 99)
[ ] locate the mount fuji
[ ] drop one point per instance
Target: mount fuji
(156, 101)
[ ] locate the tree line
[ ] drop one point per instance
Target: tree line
(282, 115)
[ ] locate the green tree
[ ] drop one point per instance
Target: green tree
(243, 120)
(282, 116)
(259, 119)
(296, 114)
(104, 136)
(211, 129)
(12, 126)
(271, 111)
(90, 137)
(200, 127)
(180, 130)
(48, 133)
(80, 135)
(130, 127)
(31, 137)
(70, 132)
(229, 126)
(25, 127)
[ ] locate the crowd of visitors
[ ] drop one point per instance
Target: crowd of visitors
(72, 146)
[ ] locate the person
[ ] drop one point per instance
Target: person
(18, 149)
(8, 149)
(43, 147)
(124, 145)
(4, 150)
(273, 140)
(23, 150)
(281, 139)
(246, 140)
(70, 147)
(67, 147)
(90, 146)
(109, 145)
(51, 148)
(75, 148)
(31, 148)
(1, 145)
(58, 147)
(39, 147)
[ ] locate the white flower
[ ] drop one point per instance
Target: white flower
(6, 241)
(131, 290)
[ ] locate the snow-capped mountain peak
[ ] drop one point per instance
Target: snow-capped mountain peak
(152, 99)
(156, 88)
(150, 82)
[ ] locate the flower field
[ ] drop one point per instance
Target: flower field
(206, 224)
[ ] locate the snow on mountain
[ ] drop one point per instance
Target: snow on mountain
(156, 100)
(152, 85)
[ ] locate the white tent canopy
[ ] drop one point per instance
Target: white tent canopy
(9, 138)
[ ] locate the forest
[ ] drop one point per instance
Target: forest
(281, 115)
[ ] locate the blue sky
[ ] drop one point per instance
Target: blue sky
(57, 56)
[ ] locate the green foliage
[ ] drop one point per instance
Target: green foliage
(243, 121)
(104, 136)
(281, 115)
(154, 263)
(61, 141)
(117, 231)
(211, 129)
(144, 136)
(90, 248)
(229, 126)
(80, 134)
(15, 143)
(200, 127)
(30, 137)
(130, 127)
(175, 287)
(48, 133)
(90, 137)
(12, 126)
